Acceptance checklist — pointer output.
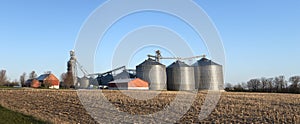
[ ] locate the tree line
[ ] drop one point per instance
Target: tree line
(66, 79)
(277, 84)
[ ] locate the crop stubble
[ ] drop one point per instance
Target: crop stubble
(64, 106)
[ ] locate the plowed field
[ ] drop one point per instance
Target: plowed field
(64, 106)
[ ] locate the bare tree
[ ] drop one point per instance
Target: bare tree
(254, 84)
(14, 83)
(47, 72)
(3, 77)
(47, 84)
(244, 85)
(228, 87)
(238, 87)
(63, 76)
(32, 75)
(280, 83)
(67, 79)
(294, 86)
(23, 79)
(264, 83)
(276, 83)
(270, 84)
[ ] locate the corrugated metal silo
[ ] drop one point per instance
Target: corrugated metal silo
(154, 73)
(208, 75)
(84, 82)
(180, 76)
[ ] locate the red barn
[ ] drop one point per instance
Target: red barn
(49, 78)
(35, 83)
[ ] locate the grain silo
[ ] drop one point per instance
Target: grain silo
(180, 76)
(208, 75)
(153, 72)
(72, 67)
(84, 82)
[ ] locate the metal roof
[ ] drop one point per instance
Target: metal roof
(49, 76)
(121, 80)
(149, 62)
(122, 75)
(128, 80)
(28, 81)
(205, 62)
(178, 64)
(42, 77)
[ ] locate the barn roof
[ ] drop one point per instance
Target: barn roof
(42, 77)
(45, 76)
(29, 81)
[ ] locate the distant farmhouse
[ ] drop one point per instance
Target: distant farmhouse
(44, 80)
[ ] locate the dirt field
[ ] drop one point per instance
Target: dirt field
(62, 106)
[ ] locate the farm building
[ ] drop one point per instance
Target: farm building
(105, 79)
(124, 75)
(129, 84)
(28, 82)
(49, 79)
(34, 83)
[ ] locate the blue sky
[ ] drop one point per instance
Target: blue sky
(260, 37)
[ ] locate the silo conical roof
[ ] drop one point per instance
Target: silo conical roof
(205, 62)
(149, 62)
(178, 64)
